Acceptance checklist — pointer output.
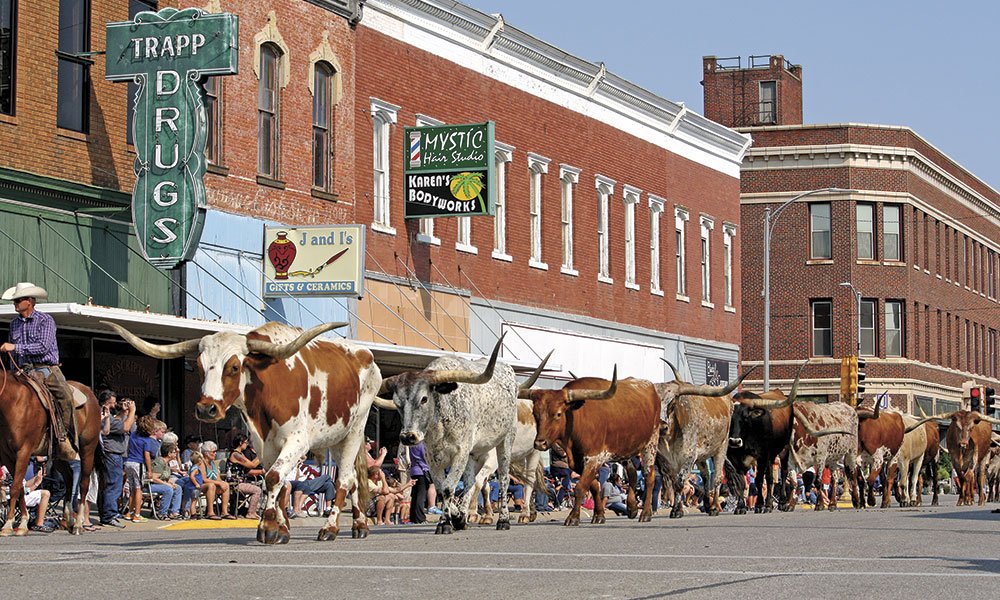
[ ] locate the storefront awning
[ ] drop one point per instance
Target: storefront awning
(160, 328)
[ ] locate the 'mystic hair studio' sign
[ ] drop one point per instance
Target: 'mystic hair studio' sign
(167, 53)
(448, 170)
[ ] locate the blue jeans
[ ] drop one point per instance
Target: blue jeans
(317, 485)
(114, 466)
(169, 498)
(618, 508)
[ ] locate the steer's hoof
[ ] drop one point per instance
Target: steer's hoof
(740, 510)
(328, 534)
(459, 522)
(713, 512)
(597, 520)
(267, 536)
(572, 521)
(758, 510)
(6, 532)
(486, 521)
(283, 536)
(474, 518)
(645, 517)
(503, 525)
(525, 518)
(832, 507)
(359, 531)
(443, 527)
(20, 532)
(677, 513)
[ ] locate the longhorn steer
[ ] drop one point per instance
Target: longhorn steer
(968, 440)
(837, 440)
(297, 394)
(909, 461)
(461, 410)
(696, 421)
(597, 421)
(880, 434)
(759, 432)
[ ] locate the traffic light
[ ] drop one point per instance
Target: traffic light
(852, 380)
(975, 397)
(860, 375)
(845, 376)
(988, 401)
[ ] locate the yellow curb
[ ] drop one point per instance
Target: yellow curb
(210, 524)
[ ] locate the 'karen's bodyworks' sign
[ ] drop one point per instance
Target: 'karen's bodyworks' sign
(166, 53)
(448, 170)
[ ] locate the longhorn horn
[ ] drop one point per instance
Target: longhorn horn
(534, 376)
(920, 408)
(572, 374)
(805, 424)
(466, 376)
(775, 404)
(989, 419)
(687, 389)
(156, 350)
(384, 404)
(580, 395)
(388, 386)
(923, 420)
(677, 375)
(283, 351)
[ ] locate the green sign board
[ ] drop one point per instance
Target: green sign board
(448, 170)
(167, 53)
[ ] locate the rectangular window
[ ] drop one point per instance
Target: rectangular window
(537, 166)
(819, 225)
(868, 327)
(631, 197)
(267, 112)
(655, 210)
(707, 225)
(891, 228)
(727, 263)
(73, 79)
(322, 84)
(680, 217)
(8, 54)
(568, 177)
(822, 330)
(991, 273)
(605, 188)
(504, 154)
(134, 7)
(893, 328)
(991, 355)
(866, 231)
(213, 114)
(768, 102)
(383, 117)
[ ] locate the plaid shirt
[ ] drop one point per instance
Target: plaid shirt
(35, 339)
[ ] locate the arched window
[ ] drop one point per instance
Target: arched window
(8, 52)
(268, 112)
(322, 126)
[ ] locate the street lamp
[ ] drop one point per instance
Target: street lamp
(769, 221)
(857, 296)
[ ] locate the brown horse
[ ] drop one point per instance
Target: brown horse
(24, 432)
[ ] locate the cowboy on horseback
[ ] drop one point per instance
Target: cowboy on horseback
(32, 342)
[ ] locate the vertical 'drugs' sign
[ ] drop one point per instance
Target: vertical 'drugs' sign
(167, 53)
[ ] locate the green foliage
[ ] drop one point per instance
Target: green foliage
(944, 467)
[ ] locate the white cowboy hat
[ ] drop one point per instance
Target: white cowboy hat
(25, 289)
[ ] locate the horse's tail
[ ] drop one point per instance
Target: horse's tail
(361, 475)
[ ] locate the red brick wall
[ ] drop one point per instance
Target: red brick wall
(732, 95)
(397, 73)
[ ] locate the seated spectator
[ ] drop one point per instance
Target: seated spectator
(384, 495)
(515, 488)
(244, 464)
(192, 485)
(301, 488)
(614, 497)
(177, 473)
(38, 499)
(376, 461)
(215, 486)
(160, 483)
(191, 444)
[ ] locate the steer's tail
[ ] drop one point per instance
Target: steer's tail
(361, 475)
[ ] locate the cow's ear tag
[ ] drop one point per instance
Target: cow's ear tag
(446, 388)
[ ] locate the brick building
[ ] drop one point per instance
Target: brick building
(616, 240)
(917, 240)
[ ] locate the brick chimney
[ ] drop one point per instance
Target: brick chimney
(766, 90)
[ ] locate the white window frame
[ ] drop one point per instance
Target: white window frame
(892, 241)
(681, 216)
(707, 225)
(568, 177)
(538, 165)
(728, 233)
(425, 229)
(868, 326)
(900, 341)
(814, 233)
(656, 205)
(605, 189)
(630, 195)
(383, 117)
(502, 154)
(865, 229)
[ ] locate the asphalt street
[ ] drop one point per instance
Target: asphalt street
(926, 552)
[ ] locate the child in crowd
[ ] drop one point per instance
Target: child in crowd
(192, 485)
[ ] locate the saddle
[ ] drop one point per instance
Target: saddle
(37, 384)
(45, 396)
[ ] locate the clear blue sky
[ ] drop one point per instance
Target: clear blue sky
(930, 66)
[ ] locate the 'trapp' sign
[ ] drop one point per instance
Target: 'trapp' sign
(166, 53)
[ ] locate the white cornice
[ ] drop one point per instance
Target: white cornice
(456, 32)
